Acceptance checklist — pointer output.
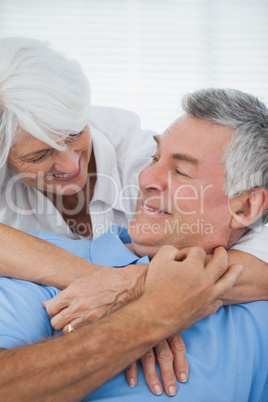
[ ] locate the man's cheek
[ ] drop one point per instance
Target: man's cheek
(187, 200)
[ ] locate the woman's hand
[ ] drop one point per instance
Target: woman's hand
(171, 357)
(95, 296)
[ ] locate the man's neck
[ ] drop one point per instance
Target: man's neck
(131, 248)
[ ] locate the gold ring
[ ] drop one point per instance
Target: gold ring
(70, 328)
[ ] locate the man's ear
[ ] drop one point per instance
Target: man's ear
(248, 207)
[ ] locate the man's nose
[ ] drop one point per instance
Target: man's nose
(67, 161)
(153, 178)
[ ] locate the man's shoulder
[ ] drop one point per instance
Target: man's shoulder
(226, 362)
(79, 247)
(240, 316)
(243, 324)
(23, 318)
(219, 348)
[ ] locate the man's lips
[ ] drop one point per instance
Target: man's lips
(153, 210)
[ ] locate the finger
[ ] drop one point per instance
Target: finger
(213, 307)
(227, 281)
(55, 305)
(178, 348)
(77, 308)
(80, 322)
(131, 373)
(218, 264)
(79, 315)
(150, 373)
(194, 255)
(165, 360)
(60, 320)
(169, 253)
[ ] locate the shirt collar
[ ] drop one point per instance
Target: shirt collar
(110, 249)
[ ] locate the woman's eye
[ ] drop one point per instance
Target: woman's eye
(40, 159)
(73, 137)
(154, 158)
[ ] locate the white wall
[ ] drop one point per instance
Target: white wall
(143, 55)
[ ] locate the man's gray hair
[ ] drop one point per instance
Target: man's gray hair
(41, 92)
(246, 157)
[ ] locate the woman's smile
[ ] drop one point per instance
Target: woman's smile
(59, 172)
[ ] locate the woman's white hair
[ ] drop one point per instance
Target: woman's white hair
(41, 92)
(246, 157)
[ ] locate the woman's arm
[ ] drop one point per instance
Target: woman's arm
(26, 257)
(29, 258)
(252, 284)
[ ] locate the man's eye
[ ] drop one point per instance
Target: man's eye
(181, 173)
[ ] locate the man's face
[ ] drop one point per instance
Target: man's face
(181, 200)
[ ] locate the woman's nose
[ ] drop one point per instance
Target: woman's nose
(67, 162)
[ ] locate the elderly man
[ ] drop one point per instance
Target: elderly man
(186, 200)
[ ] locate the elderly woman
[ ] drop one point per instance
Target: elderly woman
(54, 147)
(72, 170)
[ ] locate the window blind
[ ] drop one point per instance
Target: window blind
(143, 55)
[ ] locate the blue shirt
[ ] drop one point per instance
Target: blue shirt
(227, 352)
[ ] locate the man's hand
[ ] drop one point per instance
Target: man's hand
(199, 280)
(188, 277)
(171, 357)
(95, 296)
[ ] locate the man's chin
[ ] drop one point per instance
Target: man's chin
(142, 250)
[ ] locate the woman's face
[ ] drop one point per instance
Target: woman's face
(45, 168)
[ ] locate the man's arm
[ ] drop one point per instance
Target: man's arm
(70, 367)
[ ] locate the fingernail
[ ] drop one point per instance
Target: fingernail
(157, 390)
(132, 382)
(183, 377)
(172, 391)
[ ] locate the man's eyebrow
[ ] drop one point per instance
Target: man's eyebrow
(181, 157)
(186, 158)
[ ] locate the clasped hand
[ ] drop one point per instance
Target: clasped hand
(101, 293)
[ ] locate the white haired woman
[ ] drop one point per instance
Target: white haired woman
(55, 145)
(65, 168)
